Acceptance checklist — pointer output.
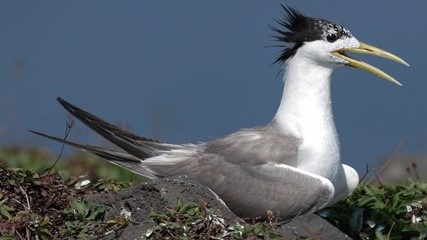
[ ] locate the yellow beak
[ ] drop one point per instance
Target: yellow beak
(372, 50)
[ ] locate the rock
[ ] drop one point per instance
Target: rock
(311, 226)
(157, 195)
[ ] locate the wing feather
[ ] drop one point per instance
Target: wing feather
(256, 146)
(252, 190)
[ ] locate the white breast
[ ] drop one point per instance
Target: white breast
(306, 112)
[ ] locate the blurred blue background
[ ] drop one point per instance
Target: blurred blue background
(189, 71)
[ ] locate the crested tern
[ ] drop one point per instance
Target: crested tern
(290, 166)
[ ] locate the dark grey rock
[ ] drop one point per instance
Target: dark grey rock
(155, 195)
(160, 194)
(311, 226)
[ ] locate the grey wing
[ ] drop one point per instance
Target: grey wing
(284, 190)
(252, 171)
(255, 146)
(249, 191)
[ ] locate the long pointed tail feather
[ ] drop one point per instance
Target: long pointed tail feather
(121, 159)
(138, 146)
(102, 152)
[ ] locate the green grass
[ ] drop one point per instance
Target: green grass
(75, 165)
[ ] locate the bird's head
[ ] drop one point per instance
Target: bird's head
(325, 43)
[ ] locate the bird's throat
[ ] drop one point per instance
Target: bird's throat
(306, 112)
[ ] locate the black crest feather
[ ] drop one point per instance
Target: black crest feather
(296, 28)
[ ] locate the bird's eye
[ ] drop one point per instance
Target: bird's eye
(331, 37)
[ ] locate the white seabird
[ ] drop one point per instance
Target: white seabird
(292, 165)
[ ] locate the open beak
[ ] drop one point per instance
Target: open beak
(372, 50)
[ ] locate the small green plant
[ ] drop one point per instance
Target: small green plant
(6, 211)
(33, 225)
(259, 230)
(81, 218)
(391, 212)
(195, 221)
(183, 221)
(110, 185)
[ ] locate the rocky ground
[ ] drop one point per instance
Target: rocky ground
(34, 206)
(64, 205)
(162, 194)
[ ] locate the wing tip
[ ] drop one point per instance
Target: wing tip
(36, 132)
(68, 106)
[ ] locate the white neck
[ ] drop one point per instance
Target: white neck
(306, 112)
